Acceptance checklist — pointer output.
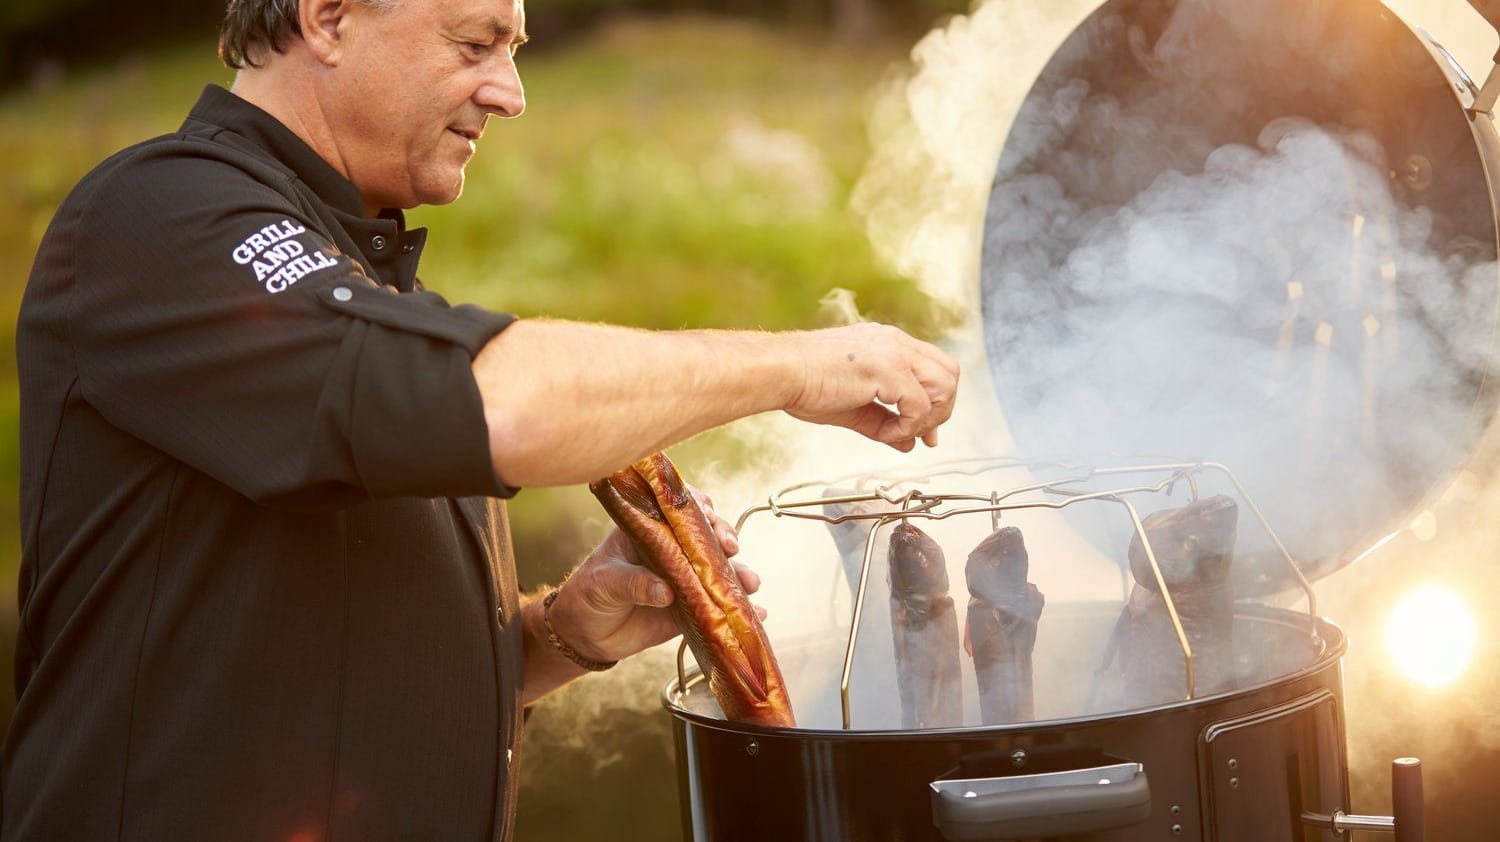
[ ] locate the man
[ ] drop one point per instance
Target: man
(266, 587)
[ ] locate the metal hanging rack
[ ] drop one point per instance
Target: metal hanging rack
(1072, 484)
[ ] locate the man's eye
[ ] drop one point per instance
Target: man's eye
(473, 49)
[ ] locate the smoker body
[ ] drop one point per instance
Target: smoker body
(1234, 766)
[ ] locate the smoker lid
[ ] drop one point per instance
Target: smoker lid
(1261, 234)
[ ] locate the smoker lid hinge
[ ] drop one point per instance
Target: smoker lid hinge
(1485, 102)
(1489, 93)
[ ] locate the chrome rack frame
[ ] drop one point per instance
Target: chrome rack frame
(1072, 486)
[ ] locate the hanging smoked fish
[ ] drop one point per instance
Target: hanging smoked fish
(1001, 630)
(1194, 547)
(924, 627)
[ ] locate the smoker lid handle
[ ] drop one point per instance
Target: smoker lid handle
(1041, 806)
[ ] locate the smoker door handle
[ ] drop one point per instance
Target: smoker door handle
(1041, 806)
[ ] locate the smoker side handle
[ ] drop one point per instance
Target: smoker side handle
(1030, 806)
(1406, 799)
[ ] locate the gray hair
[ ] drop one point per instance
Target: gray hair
(253, 26)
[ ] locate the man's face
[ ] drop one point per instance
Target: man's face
(413, 89)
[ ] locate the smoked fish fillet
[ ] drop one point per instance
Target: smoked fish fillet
(673, 538)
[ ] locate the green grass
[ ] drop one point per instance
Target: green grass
(625, 192)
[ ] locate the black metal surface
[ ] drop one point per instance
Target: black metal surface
(1245, 796)
(743, 782)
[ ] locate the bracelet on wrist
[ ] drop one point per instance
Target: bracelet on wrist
(557, 642)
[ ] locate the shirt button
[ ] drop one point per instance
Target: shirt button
(408, 248)
(342, 294)
(377, 242)
(509, 756)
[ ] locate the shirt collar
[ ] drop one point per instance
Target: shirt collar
(384, 242)
(218, 107)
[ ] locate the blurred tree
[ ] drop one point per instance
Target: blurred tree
(858, 20)
(41, 37)
(17, 15)
(38, 37)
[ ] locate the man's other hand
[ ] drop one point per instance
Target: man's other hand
(875, 380)
(612, 607)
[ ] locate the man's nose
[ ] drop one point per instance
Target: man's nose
(501, 91)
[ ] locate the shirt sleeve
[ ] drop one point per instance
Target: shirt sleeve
(212, 317)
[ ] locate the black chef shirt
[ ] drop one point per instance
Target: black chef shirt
(253, 605)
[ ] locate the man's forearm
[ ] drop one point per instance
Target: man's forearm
(568, 402)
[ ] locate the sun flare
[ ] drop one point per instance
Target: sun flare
(1431, 635)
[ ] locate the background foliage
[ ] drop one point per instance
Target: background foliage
(43, 37)
(671, 171)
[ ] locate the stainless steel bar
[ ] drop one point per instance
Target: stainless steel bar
(1077, 485)
(859, 606)
(1307, 588)
(1166, 595)
(745, 515)
(1341, 822)
(1489, 93)
(1370, 824)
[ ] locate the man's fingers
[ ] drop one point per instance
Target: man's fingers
(726, 535)
(749, 579)
(938, 385)
(941, 385)
(616, 587)
(721, 527)
(939, 356)
(618, 545)
(922, 394)
(879, 382)
(705, 502)
(913, 407)
(865, 420)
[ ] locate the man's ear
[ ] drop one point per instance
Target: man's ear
(323, 23)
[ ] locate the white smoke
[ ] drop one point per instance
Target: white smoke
(938, 131)
(1297, 264)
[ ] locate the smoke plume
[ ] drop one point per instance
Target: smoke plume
(1196, 267)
